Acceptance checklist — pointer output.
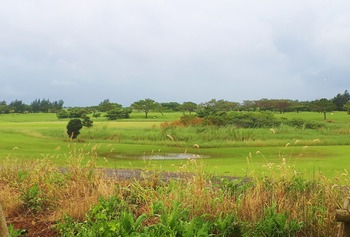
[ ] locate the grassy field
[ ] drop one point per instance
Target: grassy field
(223, 151)
(290, 180)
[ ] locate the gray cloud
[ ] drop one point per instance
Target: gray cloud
(84, 52)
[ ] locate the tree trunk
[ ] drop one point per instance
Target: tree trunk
(343, 215)
(3, 227)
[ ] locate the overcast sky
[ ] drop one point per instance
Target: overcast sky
(173, 50)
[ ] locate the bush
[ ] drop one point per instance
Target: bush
(297, 123)
(254, 120)
(191, 120)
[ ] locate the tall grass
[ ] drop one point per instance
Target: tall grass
(276, 199)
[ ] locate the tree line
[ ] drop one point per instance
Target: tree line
(37, 106)
(114, 111)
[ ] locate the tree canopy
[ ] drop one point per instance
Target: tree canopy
(145, 105)
(73, 128)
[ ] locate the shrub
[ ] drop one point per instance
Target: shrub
(254, 120)
(298, 123)
(191, 120)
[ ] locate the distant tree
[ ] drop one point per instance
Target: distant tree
(145, 105)
(265, 104)
(73, 128)
(96, 114)
(215, 106)
(77, 112)
(18, 106)
(189, 107)
(4, 108)
(56, 106)
(35, 106)
(249, 105)
(299, 106)
(224, 105)
(347, 107)
(340, 100)
(87, 122)
(171, 106)
(106, 105)
(281, 105)
(62, 114)
(118, 113)
(45, 106)
(322, 106)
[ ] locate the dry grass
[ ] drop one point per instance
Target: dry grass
(73, 190)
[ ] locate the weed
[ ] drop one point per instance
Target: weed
(33, 198)
(16, 232)
(276, 224)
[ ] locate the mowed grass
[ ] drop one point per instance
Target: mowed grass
(222, 151)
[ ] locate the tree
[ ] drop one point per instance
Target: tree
(213, 107)
(87, 122)
(189, 107)
(299, 106)
(45, 106)
(322, 106)
(118, 113)
(347, 107)
(341, 99)
(282, 105)
(171, 106)
(264, 104)
(4, 108)
(73, 128)
(145, 105)
(18, 106)
(106, 105)
(249, 105)
(77, 112)
(62, 114)
(3, 227)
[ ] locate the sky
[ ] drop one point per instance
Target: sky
(173, 50)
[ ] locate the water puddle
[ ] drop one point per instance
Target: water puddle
(173, 156)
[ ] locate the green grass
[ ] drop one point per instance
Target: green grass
(226, 151)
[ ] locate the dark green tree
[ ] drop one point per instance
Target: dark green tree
(340, 100)
(62, 114)
(4, 108)
(96, 114)
(118, 113)
(189, 107)
(87, 122)
(106, 105)
(18, 106)
(145, 105)
(347, 107)
(73, 128)
(77, 112)
(322, 106)
(171, 106)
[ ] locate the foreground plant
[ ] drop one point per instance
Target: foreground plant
(84, 202)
